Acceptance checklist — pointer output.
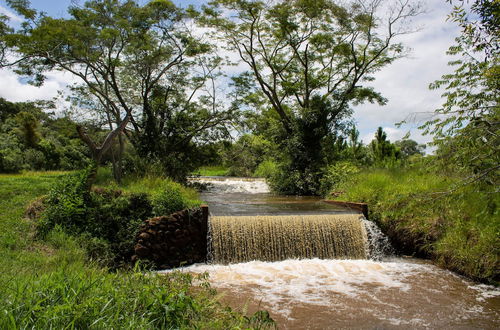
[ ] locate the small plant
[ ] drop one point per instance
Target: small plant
(335, 175)
(168, 199)
(266, 169)
(67, 205)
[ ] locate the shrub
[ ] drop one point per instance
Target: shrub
(107, 220)
(289, 181)
(35, 159)
(246, 154)
(336, 174)
(67, 205)
(169, 199)
(11, 159)
(266, 169)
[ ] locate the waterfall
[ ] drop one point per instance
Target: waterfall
(279, 237)
(377, 244)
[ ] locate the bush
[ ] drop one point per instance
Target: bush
(35, 160)
(11, 159)
(289, 181)
(244, 156)
(266, 169)
(169, 199)
(107, 220)
(67, 205)
(335, 175)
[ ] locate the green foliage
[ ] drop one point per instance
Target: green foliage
(466, 128)
(409, 148)
(32, 140)
(385, 153)
(48, 284)
(66, 205)
(243, 157)
(11, 159)
(266, 169)
(169, 199)
(107, 219)
(288, 180)
(433, 215)
(335, 175)
(308, 61)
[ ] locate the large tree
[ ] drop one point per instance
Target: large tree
(309, 60)
(141, 63)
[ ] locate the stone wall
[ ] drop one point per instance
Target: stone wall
(174, 240)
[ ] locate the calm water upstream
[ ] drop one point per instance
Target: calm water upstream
(331, 294)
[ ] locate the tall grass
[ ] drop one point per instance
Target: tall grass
(456, 225)
(49, 283)
(212, 171)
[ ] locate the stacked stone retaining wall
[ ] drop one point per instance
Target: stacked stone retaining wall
(175, 240)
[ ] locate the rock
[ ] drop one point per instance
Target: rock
(141, 251)
(168, 240)
(144, 235)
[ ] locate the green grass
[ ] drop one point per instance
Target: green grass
(212, 171)
(50, 284)
(458, 229)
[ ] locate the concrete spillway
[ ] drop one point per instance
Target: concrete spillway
(280, 237)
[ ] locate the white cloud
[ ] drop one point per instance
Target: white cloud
(14, 90)
(405, 82)
(13, 17)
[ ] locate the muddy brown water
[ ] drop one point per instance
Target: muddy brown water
(391, 293)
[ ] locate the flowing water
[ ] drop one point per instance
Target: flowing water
(274, 238)
(314, 289)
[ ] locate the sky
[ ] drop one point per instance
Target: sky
(404, 83)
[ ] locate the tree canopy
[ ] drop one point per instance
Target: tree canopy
(143, 65)
(308, 60)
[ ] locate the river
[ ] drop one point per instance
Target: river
(387, 292)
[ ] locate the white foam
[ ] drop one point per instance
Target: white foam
(311, 281)
(485, 291)
(234, 185)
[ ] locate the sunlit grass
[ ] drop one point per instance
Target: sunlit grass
(460, 225)
(50, 284)
(212, 171)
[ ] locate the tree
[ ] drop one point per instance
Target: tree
(410, 147)
(467, 127)
(141, 64)
(309, 60)
(383, 150)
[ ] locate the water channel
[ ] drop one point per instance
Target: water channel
(380, 292)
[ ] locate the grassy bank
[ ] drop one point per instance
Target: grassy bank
(212, 171)
(434, 216)
(50, 283)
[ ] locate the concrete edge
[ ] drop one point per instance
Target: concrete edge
(360, 207)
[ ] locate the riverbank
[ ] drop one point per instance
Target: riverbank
(433, 216)
(50, 283)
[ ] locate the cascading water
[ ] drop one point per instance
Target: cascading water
(377, 244)
(302, 292)
(273, 238)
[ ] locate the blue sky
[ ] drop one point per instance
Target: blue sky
(404, 83)
(58, 7)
